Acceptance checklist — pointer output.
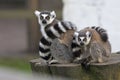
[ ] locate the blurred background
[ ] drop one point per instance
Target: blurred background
(19, 31)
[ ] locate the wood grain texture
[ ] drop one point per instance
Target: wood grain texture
(98, 71)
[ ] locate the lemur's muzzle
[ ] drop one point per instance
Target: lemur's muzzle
(81, 43)
(44, 21)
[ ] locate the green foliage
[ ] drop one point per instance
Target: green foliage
(14, 63)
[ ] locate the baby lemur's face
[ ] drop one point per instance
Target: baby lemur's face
(45, 17)
(83, 38)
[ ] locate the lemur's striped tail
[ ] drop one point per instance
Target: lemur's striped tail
(102, 32)
(44, 48)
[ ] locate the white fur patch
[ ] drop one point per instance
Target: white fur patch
(76, 34)
(88, 41)
(55, 32)
(74, 41)
(79, 58)
(44, 15)
(75, 49)
(76, 37)
(43, 46)
(53, 13)
(61, 27)
(37, 13)
(44, 54)
(44, 34)
(87, 33)
(53, 61)
(88, 38)
(82, 38)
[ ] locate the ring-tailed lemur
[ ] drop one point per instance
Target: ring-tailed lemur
(51, 29)
(91, 45)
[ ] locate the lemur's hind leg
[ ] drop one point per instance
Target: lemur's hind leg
(98, 53)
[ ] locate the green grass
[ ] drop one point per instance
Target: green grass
(18, 64)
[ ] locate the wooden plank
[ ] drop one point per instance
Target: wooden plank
(27, 14)
(16, 14)
(33, 27)
(33, 35)
(37, 67)
(98, 71)
(21, 14)
(33, 4)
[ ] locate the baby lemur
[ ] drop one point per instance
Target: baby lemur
(90, 45)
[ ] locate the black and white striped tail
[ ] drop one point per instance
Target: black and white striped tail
(102, 32)
(50, 34)
(56, 30)
(44, 49)
(59, 28)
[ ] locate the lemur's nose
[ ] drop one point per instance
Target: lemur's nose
(44, 21)
(81, 43)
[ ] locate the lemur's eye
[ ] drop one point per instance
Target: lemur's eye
(41, 17)
(89, 35)
(84, 39)
(79, 39)
(47, 17)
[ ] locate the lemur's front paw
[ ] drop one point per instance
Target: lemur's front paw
(53, 62)
(77, 60)
(85, 63)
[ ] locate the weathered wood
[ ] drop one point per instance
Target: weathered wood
(98, 71)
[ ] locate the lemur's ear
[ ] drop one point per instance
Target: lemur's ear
(37, 13)
(53, 13)
(76, 37)
(76, 34)
(88, 34)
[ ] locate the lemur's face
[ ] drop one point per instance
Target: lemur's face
(83, 38)
(45, 17)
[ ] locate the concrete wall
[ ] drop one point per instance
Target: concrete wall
(105, 13)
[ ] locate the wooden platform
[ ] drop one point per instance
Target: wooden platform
(98, 71)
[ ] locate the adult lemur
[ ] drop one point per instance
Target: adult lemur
(51, 28)
(91, 45)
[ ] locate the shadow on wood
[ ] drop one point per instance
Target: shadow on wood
(98, 71)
